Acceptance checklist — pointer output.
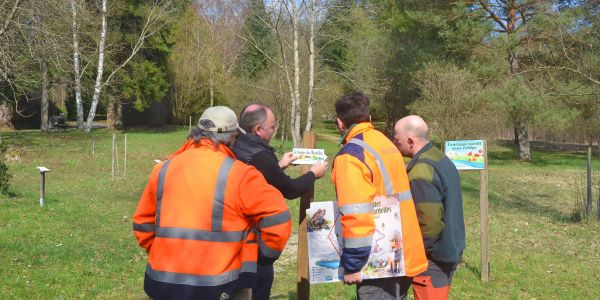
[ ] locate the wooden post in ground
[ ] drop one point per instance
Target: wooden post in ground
(190, 125)
(114, 141)
(484, 220)
(588, 206)
(125, 159)
(117, 169)
(302, 283)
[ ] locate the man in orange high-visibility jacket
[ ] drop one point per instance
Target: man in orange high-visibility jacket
(198, 216)
(368, 166)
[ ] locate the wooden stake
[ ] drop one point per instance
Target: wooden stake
(484, 220)
(190, 125)
(117, 169)
(125, 159)
(302, 283)
(588, 206)
(114, 141)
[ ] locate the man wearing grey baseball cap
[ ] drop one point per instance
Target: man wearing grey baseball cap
(197, 216)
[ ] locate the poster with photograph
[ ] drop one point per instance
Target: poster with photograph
(324, 242)
(308, 156)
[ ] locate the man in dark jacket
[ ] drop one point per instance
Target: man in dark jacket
(435, 187)
(253, 148)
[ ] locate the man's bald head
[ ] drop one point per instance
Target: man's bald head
(414, 126)
(410, 135)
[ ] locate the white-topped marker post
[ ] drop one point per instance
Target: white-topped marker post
(43, 171)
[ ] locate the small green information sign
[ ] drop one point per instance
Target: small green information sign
(466, 155)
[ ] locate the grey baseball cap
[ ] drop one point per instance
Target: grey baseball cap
(219, 119)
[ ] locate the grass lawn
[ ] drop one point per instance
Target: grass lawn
(80, 244)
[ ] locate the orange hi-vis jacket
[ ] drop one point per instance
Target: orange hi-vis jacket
(367, 166)
(198, 216)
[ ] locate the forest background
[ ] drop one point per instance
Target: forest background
(517, 69)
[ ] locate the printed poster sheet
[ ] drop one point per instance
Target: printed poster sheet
(466, 155)
(324, 242)
(308, 156)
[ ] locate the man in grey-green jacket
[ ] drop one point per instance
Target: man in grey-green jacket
(435, 187)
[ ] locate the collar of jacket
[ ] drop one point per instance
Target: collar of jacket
(189, 144)
(256, 140)
(416, 157)
(355, 130)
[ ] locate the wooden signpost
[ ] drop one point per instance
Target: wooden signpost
(468, 156)
(302, 283)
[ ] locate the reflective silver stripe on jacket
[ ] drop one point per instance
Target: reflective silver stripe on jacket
(357, 208)
(389, 188)
(249, 266)
(358, 242)
(159, 191)
(200, 235)
(266, 250)
(276, 219)
(147, 227)
(189, 279)
(403, 196)
(219, 194)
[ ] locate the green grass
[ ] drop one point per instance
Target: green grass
(80, 244)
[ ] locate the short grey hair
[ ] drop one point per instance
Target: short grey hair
(249, 119)
(218, 138)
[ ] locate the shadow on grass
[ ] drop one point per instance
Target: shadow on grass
(525, 205)
(155, 130)
(471, 268)
(518, 203)
(543, 154)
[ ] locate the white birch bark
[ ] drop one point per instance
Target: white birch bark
(76, 67)
(44, 105)
(296, 92)
(311, 65)
(98, 84)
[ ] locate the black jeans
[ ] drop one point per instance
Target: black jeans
(393, 288)
(262, 289)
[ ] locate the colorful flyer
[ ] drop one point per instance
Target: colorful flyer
(308, 156)
(466, 155)
(324, 241)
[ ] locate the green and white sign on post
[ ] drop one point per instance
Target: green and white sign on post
(466, 155)
(471, 155)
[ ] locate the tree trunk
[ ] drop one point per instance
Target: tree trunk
(523, 149)
(114, 115)
(211, 91)
(6, 114)
(589, 201)
(521, 135)
(296, 106)
(76, 65)
(311, 66)
(44, 101)
(58, 94)
(98, 84)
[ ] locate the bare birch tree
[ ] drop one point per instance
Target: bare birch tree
(76, 65)
(311, 64)
(286, 21)
(151, 25)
